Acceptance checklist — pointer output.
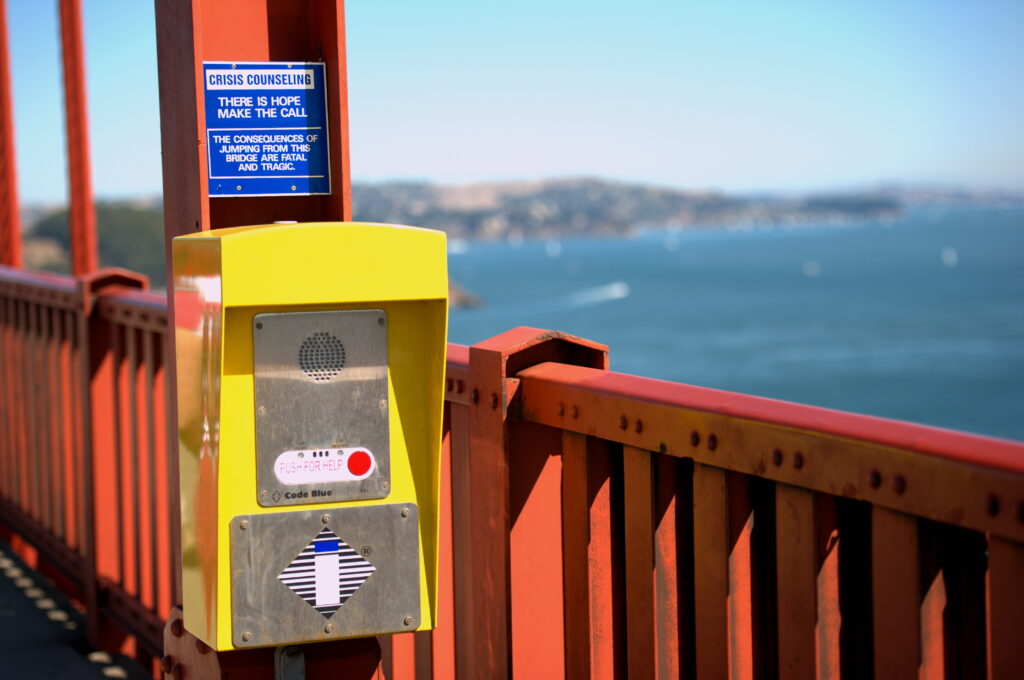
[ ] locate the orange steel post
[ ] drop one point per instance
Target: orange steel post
(190, 32)
(10, 224)
(81, 215)
(500, 611)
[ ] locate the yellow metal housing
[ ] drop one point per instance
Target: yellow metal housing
(222, 278)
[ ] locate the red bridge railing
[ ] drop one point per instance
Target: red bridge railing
(596, 524)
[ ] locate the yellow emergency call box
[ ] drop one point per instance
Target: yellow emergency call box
(310, 375)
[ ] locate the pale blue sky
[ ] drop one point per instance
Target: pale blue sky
(740, 96)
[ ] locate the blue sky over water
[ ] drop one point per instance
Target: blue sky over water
(740, 96)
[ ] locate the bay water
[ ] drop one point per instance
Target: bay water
(919, 319)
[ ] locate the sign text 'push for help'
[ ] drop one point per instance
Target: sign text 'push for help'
(266, 128)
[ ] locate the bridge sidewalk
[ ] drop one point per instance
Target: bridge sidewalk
(42, 635)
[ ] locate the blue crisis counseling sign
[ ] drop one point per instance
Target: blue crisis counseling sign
(266, 128)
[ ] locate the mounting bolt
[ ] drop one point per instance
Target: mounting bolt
(662, 447)
(712, 441)
(262, 410)
(777, 457)
(201, 646)
(638, 426)
(246, 636)
(407, 621)
(405, 512)
(244, 524)
(329, 628)
(177, 627)
(798, 460)
(875, 479)
(992, 504)
(695, 438)
(167, 663)
(325, 519)
(259, 325)
(380, 321)
(383, 403)
(623, 422)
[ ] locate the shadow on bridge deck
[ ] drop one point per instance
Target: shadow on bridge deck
(42, 635)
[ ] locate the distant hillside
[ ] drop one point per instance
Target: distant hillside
(131, 233)
(592, 207)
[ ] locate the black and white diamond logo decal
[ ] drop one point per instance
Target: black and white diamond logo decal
(326, 573)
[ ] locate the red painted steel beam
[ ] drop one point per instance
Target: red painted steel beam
(81, 214)
(961, 479)
(10, 223)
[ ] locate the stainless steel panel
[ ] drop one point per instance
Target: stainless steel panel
(272, 606)
(321, 382)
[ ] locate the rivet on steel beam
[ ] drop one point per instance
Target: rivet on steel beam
(623, 422)
(177, 628)
(638, 426)
(177, 672)
(695, 438)
(494, 400)
(798, 460)
(475, 396)
(561, 409)
(712, 441)
(992, 504)
(167, 663)
(449, 384)
(899, 484)
(246, 636)
(876, 479)
(407, 621)
(662, 447)
(777, 457)
(460, 386)
(575, 411)
(201, 646)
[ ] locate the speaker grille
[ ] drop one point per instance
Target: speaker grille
(321, 356)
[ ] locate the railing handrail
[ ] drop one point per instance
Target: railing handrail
(964, 447)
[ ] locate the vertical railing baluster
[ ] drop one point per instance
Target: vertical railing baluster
(147, 352)
(133, 456)
(57, 418)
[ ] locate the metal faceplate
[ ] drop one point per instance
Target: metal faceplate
(321, 390)
(303, 576)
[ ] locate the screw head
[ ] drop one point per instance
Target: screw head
(899, 484)
(383, 403)
(992, 504)
(325, 519)
(246, 636)
(262, 410)
(405, 512)
(263, 493)
(243, 525)
(259, 325)
(407, 621)
(329, 628)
